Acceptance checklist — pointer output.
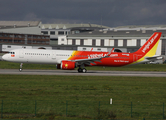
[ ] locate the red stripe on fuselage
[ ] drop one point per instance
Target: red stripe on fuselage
(115, 59)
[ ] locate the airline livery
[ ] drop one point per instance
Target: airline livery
(69, 60)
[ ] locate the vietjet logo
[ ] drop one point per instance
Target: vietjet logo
(96, 55)
(66, 65)
(149, 43)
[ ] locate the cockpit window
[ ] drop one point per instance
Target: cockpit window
(11, 52)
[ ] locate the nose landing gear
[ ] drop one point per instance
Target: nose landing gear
(20, 69)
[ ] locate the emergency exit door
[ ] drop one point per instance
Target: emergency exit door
(53, 55)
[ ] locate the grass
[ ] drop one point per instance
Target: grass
(140, 67)
(81, 97)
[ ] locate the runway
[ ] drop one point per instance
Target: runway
(89, 73)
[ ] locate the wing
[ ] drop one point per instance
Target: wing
(88, 61)
(92, 60)
(155, 57)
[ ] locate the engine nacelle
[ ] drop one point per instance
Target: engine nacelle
(66, 65)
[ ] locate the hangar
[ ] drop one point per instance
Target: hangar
(57, 30)
(128, 39)
(34, 33)
(25, 27)
(21, 34)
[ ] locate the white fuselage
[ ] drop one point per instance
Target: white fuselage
(38, 56)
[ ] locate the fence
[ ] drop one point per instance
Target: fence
(81, 109)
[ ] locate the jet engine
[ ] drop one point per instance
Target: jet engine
(66, 65)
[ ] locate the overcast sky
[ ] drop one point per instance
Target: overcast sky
(110, 13)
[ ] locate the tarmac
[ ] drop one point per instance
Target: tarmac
(89, 73)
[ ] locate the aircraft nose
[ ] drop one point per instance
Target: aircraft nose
(4, 57)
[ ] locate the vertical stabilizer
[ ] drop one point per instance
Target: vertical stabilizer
(150, 47)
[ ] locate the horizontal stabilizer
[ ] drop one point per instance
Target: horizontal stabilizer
(155, 57)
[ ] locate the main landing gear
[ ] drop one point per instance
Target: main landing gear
(20, 69)
(80, 70)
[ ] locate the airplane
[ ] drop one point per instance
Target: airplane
(69, 60)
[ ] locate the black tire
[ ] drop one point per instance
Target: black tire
(84, 70)
(80, 70)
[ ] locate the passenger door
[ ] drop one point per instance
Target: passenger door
(21, 53)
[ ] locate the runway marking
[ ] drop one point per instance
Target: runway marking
(89, 73)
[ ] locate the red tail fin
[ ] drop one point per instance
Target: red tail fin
(151, 45)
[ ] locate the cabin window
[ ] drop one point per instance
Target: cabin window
(11, 52)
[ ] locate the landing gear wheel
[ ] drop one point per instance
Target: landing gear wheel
(20, 69)
(84, 70)
(79, 70)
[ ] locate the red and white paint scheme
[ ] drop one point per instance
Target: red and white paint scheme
(69, 60)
